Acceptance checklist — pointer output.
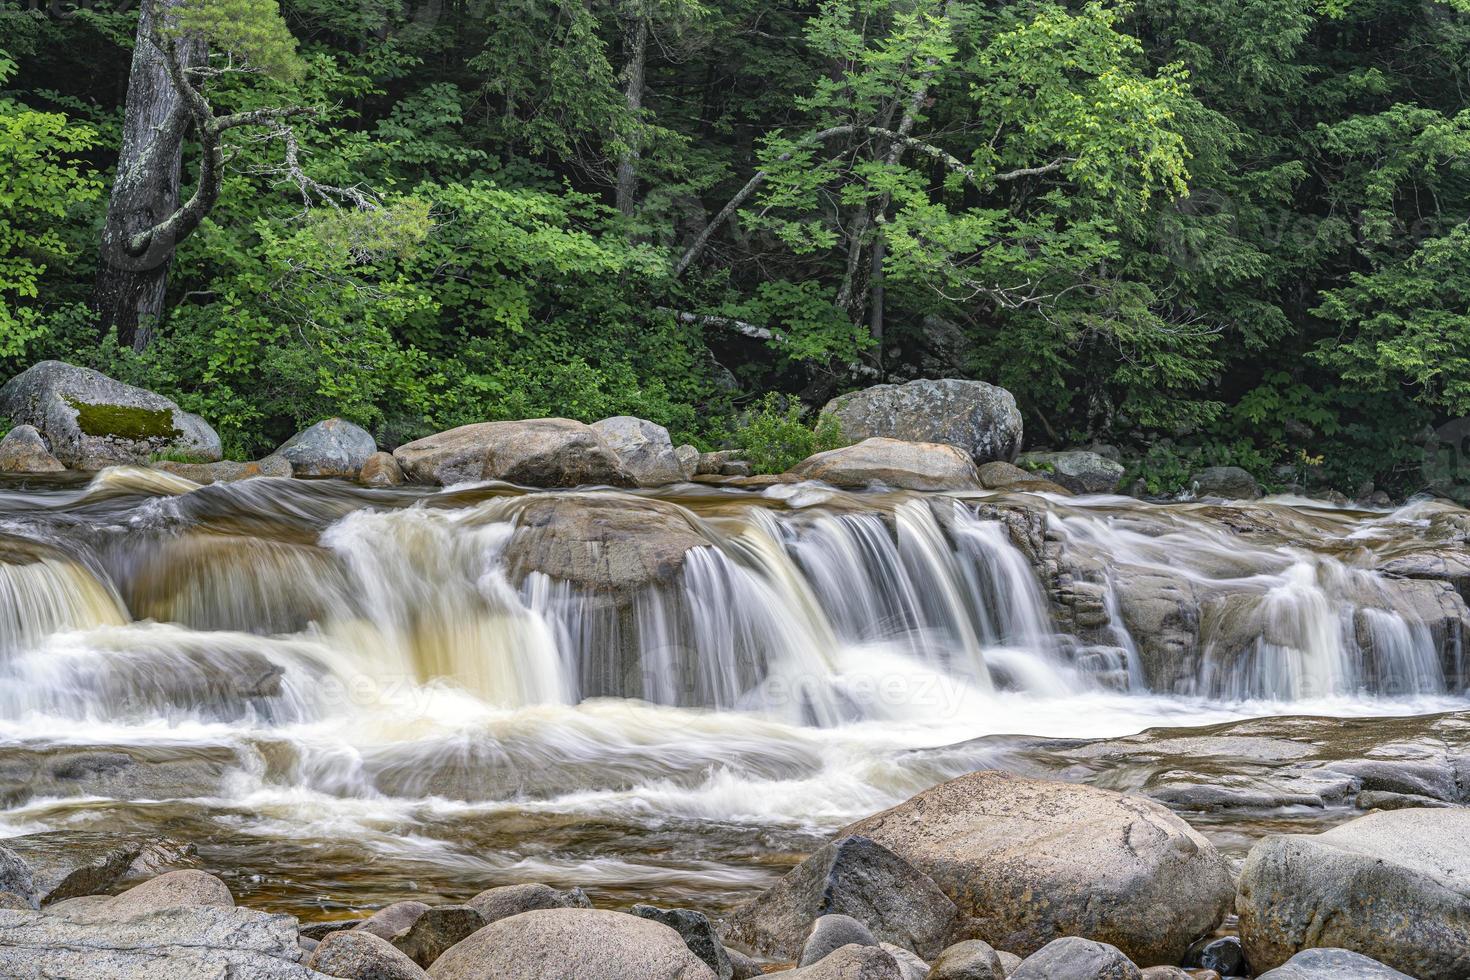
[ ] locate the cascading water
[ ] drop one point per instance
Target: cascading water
(485, 683)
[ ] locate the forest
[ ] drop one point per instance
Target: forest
(1205, 232)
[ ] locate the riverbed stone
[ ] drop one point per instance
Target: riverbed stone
(71, 863)
(644, 449)
(1079, 470)
(435, 930)
(980, 419)
(688, 457)
(226, 471)
(1030, 860)
(16, 877)
(24, 450)
(495, 904)
(832, 932)
(970, 959)
(391, 920)
(883, 462)
(853, 876)
(331, 448)
(572, 944)
(697, 932)
(1226, 482)
(853, 962)
(358, 955)
(91, 421)
(910, 967)
(188, 887)
(381, 470)
(1332, 964)
(1075, 958)
(1394, 886)
(532, 453)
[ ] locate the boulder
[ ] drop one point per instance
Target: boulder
(533, 453)
(698, 934)
(435, 930)
(977, 418)
(16, 877)
(381, 470)
(829, 934)
(688, 457)
(357, 955)
(644, 449)
(391, 920)
(910, 967)
(159, 943)
(1223, 955)
(1030, 860)
(92, 421)
(1008, 476)
(891, 463)
(852, 876)
(188, 888)
(1078, 470)
(10, 900)
(226, 471)
(849, 963)
(70, 863)
(1226, 482)
(331, 448)
(23, 450)
(971, 959)
(495, 904)
(572, 944)
(1392, 885)
(1075, 958)
(1332, 964)
(1009, 961)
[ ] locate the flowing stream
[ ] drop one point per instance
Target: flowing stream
(350, 696)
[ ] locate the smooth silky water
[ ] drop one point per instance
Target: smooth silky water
(348, 697)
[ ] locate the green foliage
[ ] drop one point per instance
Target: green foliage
(773, 437)
(250, 33)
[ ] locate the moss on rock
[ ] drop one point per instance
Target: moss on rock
(125, 421)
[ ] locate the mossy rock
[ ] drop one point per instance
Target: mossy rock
(125, 421)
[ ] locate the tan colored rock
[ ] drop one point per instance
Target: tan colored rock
(892, 463)
(356, 955)
(23, 450)
(227, 471)
(381, 470)
(533, 453)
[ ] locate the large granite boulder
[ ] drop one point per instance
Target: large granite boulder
(852, 876)
(1226, 482)
(1332, 964)
(92, 421)
(976, 417)
(331, 448)
(881, 462)
(158, 943)
(1394, 886)
(502, 902)
(572, 944)
(1030, 860)
(644, 448)
(24, 450)
(1079, 470)
(533, 453)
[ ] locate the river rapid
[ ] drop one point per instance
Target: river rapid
(348, 697)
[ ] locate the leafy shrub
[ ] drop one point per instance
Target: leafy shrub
(774, 438)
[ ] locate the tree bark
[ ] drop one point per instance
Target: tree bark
(132, 280)
(636, 37)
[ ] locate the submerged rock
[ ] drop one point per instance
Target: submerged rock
(1031, 860)
(533, 453)
(852, 876)
(572, 944)
(891, 463)
(1394, 886)
(644, 449)
(92, 421)
(23, 450)
(1078, 470)
(331, 448)
(980, 419)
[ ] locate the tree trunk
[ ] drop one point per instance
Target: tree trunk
(636, 42)
(132, 276)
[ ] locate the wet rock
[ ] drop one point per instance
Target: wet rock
(435, 930)
(1332, 964)
(533, 453)
(23, 450)
(70, 863)
(391, 920)
(971, 959)
(1394, 886)
(1078, 470)
(849, 963)
(572, 944)
(331, 448)
(1030, 860)
(644, 449)
(160, 944)
(1381, 800)
(832, 932)
(495, 904)
(91, 421)
(1444, 564)
(1223, 955)
(226, 471)
(362, 956)
(16, 877)
(132, 773)
(1074, 958)
(1226, 482)
(1000, 475)
(381, 470)
(697, 932)
(852, 876)
(891, 463)
(980, 419)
